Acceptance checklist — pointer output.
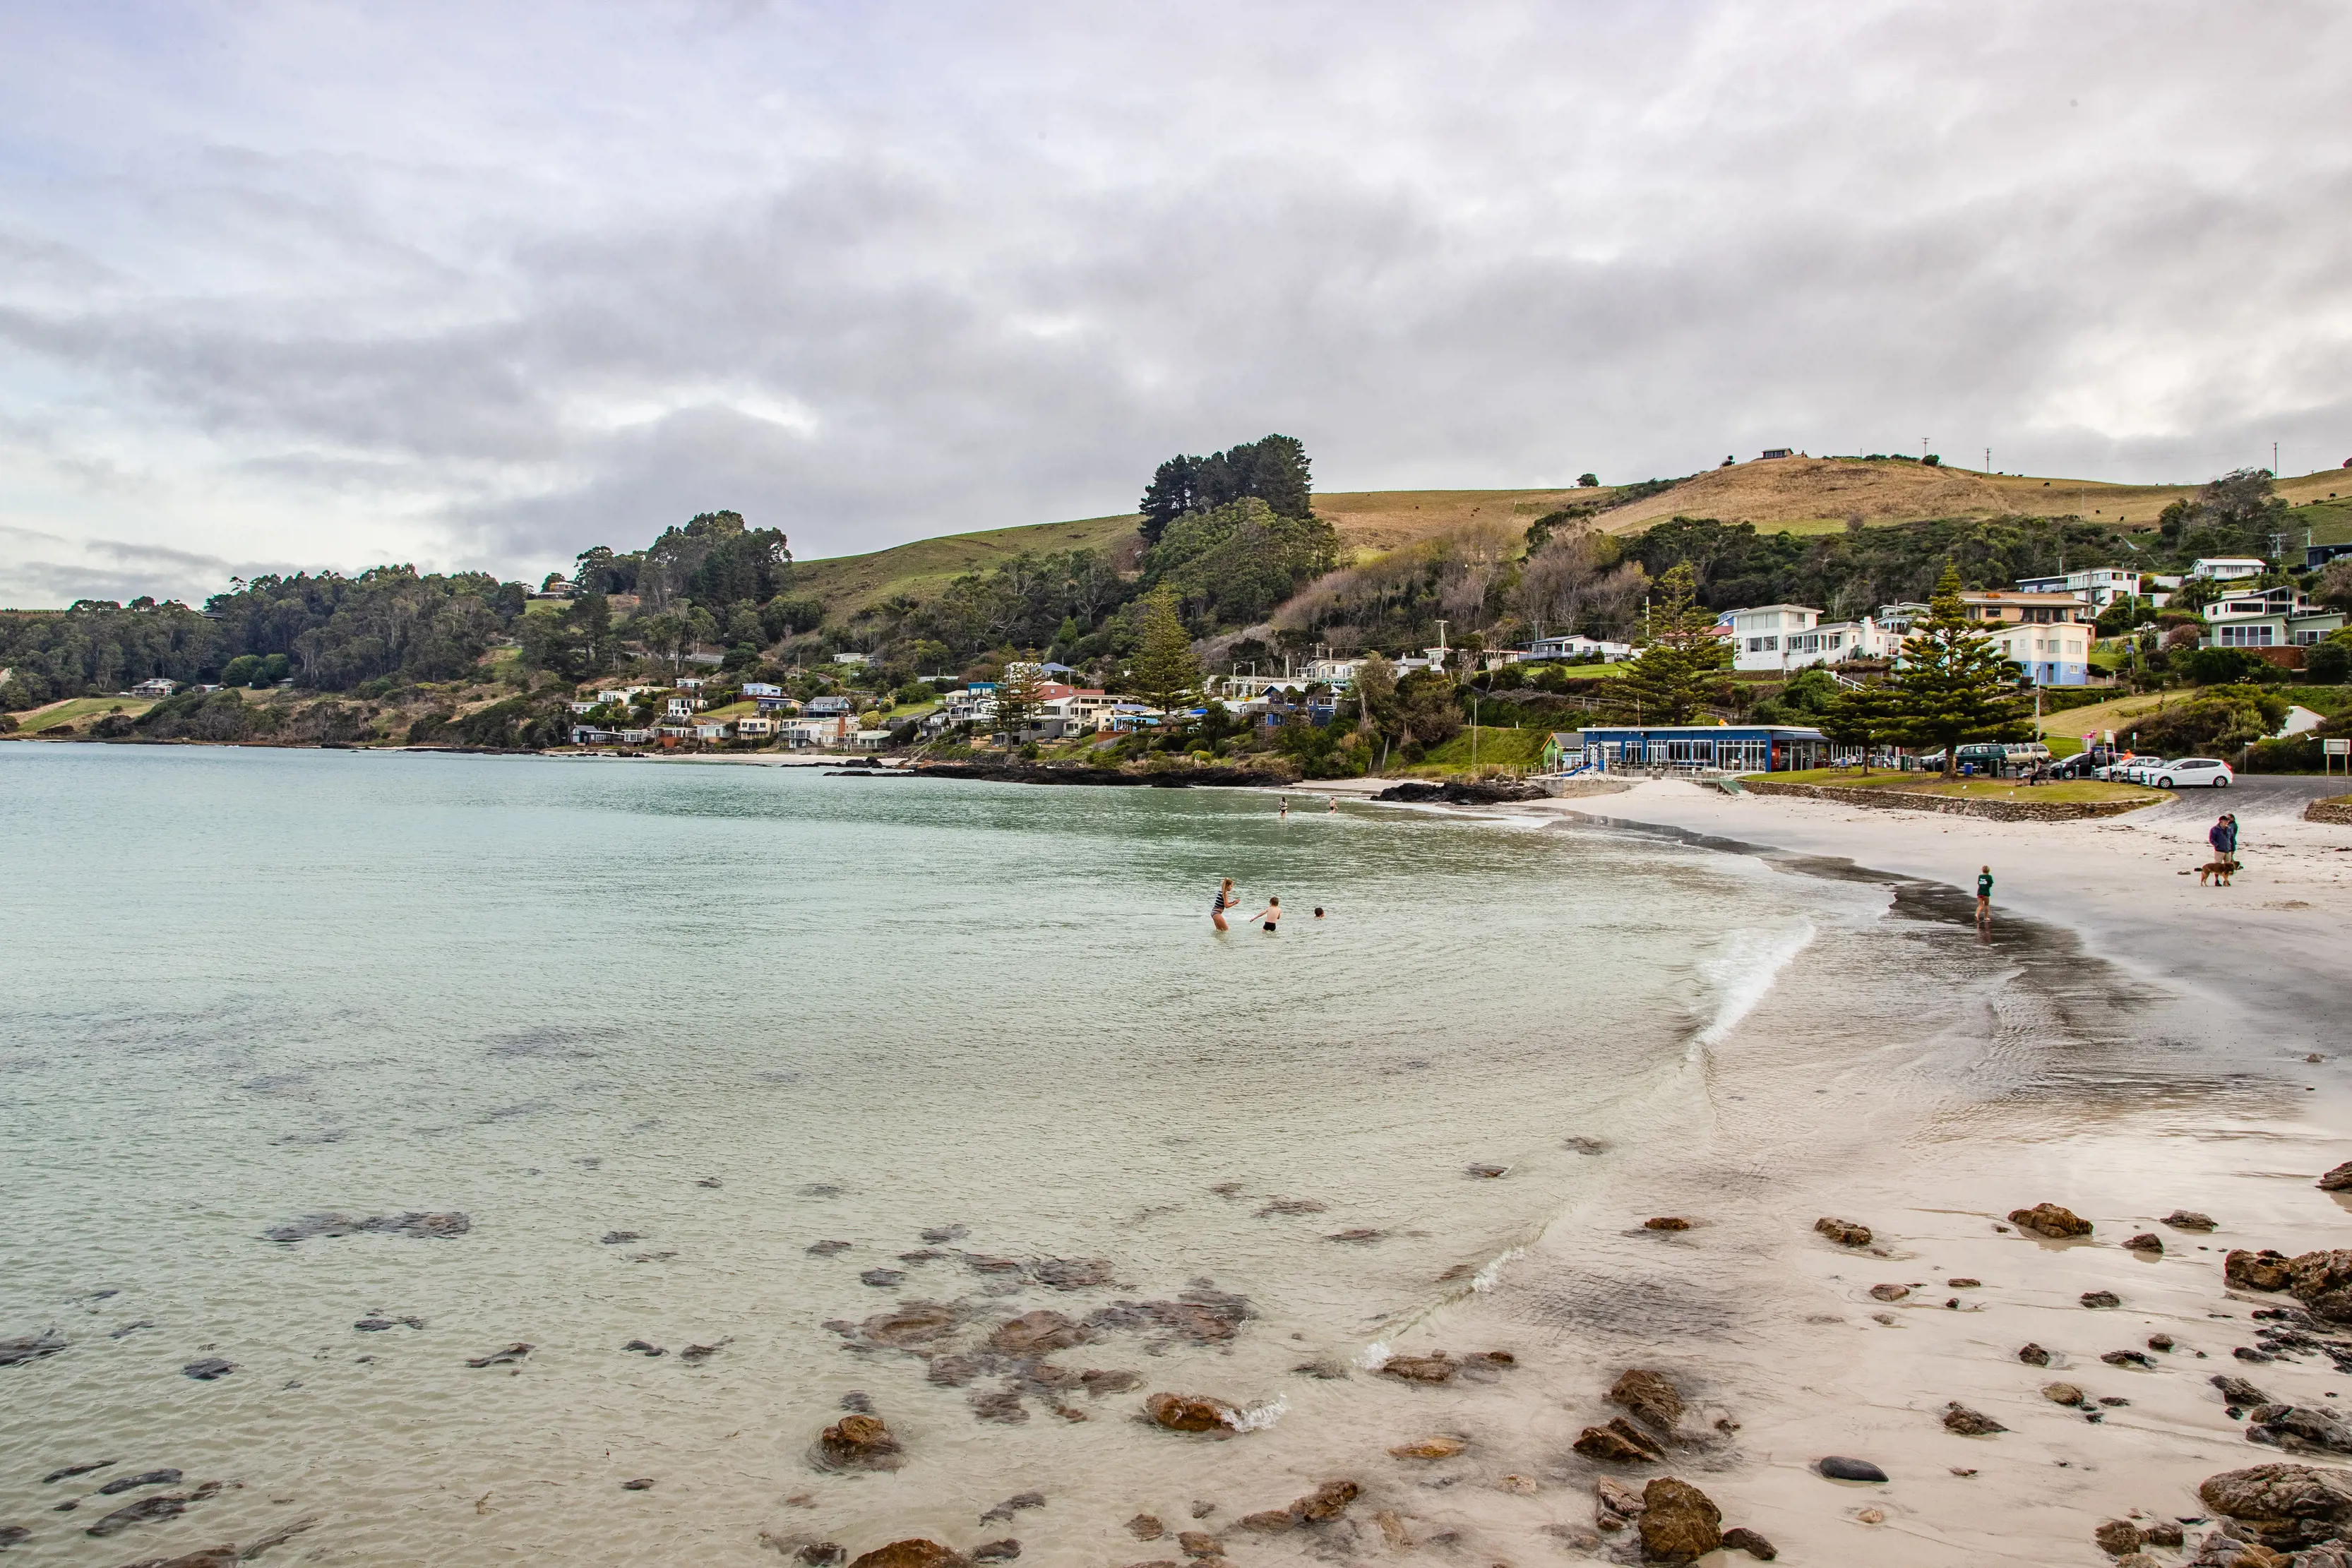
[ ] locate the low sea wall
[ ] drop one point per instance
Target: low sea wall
(1158, 778)
(1891, 799)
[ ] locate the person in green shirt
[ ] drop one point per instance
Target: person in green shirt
(1984, 894)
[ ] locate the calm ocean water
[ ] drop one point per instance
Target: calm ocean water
(727, 1014)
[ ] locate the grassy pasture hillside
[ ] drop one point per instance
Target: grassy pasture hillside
(1803, 494)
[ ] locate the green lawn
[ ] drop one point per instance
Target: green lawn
(1496, 748)
(2070, 790)
(77, 712)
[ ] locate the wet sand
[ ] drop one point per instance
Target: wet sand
(2146, 1051)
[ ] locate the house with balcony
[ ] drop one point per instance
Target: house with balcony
(2052, 653)
(2098, 587)
(1781, 637)
(1577, 646)
(2277, 623)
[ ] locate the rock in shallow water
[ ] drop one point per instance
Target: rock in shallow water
(427, 1226)
(2034, 1354)
(913, 1553)
(1649, 1395)
(2051, 1220)
(1740, 1538)
(150, 1478)
(1438, 1447)
(1838, 1468)
(861, 1442)
(209, 1369)
(2337, 1180)
(145, 1510)
(1189, 1413)
(2188, 1219)
(1844, 1232)
(1619, 1442)
(512, 1355)
(30, 1347)
(1678, 1522)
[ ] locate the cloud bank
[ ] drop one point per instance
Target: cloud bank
(479, 285)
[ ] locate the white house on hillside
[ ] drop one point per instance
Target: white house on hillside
(2226, 568)
(2098, 588)
(1793, 636)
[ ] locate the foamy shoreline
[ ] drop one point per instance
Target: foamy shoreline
(2234, 1122)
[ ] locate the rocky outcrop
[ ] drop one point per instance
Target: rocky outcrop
(1844, 1232)
(1464, 792)
(2188, 1219)
(2337, 1180)
(917, 1322)
(2053, 1220)
(2320, 1281)
(1190, 1413)
(2299, 1426)
(2263, 1271)
(1679, 1523)
(2284, 1506)
(1012, 772)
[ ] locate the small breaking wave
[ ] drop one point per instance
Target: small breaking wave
(1744, 972)
(1259, 1417)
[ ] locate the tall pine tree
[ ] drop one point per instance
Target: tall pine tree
(1682, 663)
(1952, 682)
(1017, 698)
(1166, 674)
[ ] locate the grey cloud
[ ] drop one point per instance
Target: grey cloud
(877, 275)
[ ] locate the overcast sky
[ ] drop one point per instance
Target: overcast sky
(482, 285)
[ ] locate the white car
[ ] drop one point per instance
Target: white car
(2192, 773)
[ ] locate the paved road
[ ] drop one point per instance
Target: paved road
(2255, 796)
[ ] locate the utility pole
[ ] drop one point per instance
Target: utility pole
(2274, 459)
(1987, 468)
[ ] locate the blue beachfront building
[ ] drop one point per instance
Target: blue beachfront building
(1732, 747)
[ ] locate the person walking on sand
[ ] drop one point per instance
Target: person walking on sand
(1984, 895)
(1271, 915)
(1222, 901)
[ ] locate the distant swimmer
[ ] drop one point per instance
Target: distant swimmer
(1334, 806)
(1286, 805)
(1222, 901)
(1271, 915)
(1318, 912)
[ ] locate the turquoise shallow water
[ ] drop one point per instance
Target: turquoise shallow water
(732, 1012)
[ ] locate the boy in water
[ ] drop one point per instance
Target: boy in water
(1984, 895)
(1270, 914)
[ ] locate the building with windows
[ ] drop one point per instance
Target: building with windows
(2050, 653)
(2226, 568)
(2277, 622)
(1729, 749)
(1578, 647)
(2098, 588)
(1779, 637)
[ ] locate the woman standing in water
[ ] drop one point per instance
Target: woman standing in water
(1222, 901)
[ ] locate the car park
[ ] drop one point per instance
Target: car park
(2193, 773)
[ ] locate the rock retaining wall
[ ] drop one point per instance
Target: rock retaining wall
(1894, 799)
(1044, 773)
(2335, 809)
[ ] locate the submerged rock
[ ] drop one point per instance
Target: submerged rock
(1189, 1413)
(30, 1347)
(1678, 1522)
(512, 1354)
(1359, 1233)
(1838, 1468)
(208, 1368)
(1844, 1232)
(1326, 1502)
(1035, 1334)
(696, 1355)
(1436, 1367)
(2053, 1220)
(826, 1249)
(1071, 1273)
(146, 1511)
(427, 1226)
(1489, 1171)
(882, 1279)
(1438, 1447)
(916, 1323)
(72, 1470)
(1002, 1406)
(150, 1478)
(1004, 1550)
(645, 1347)
(1146, 1527)
(1290, 1206)
(1198, 1544)
(1012, 1505)
(1098, 1380)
